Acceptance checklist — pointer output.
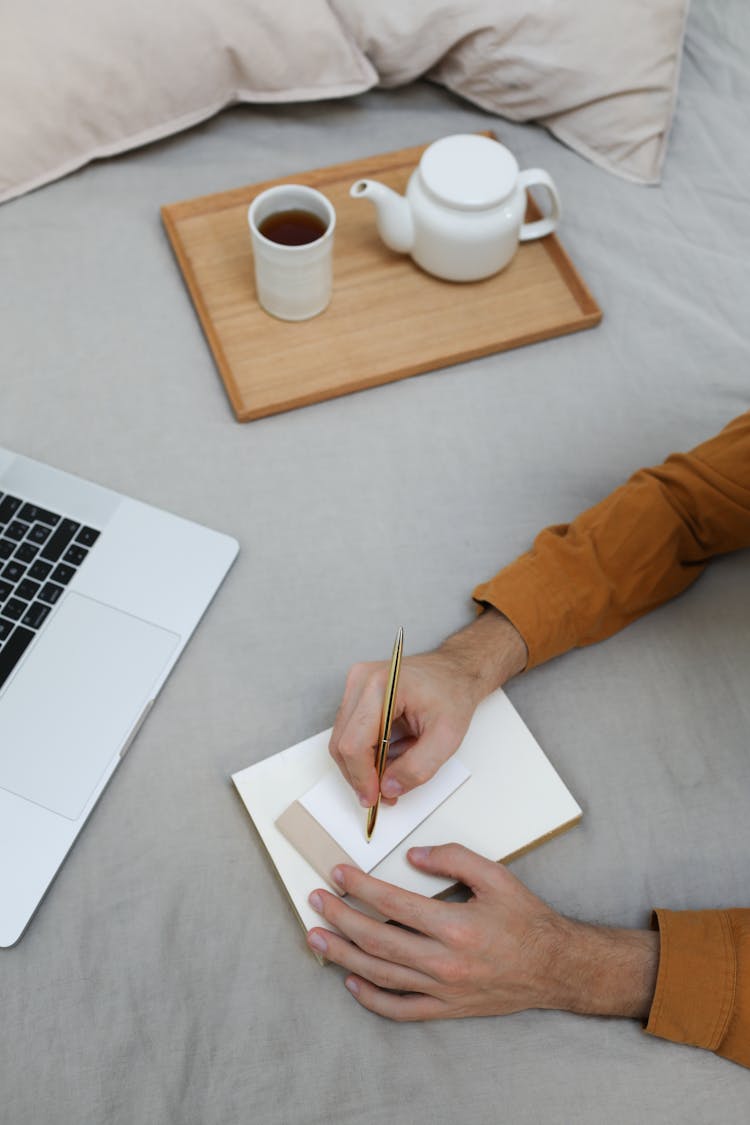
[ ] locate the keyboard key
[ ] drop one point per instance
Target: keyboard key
(62, 574)
(75, 555)
(16, 530)
(39, 570)
(31, 514)
(50, 592)
(36, 615)
(13, 571)
(59, 541)
(39, 533)
(26, 552)
(9, 505)
(33, 577)
(87, 536)
(13, 650)
(14, 609)
(27, 590)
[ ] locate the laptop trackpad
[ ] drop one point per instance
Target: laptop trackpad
(68, 710)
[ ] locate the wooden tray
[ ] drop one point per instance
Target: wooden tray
(387, 318)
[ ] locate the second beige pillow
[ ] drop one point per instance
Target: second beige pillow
(601, 75)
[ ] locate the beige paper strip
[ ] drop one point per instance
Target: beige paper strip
(312, 842)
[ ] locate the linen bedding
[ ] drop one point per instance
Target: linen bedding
(164, 978)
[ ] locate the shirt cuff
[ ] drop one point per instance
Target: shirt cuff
(534, 604)
(697, 977)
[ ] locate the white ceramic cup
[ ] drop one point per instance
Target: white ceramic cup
(292, 282)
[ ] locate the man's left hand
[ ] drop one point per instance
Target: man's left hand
(502, 951)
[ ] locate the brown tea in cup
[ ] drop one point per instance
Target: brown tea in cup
(293, 228)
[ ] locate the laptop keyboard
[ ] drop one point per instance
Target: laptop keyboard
(40, 551)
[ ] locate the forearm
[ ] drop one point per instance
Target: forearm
(488, 652)
(601, 971)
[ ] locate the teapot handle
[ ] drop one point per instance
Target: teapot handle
(537, 177)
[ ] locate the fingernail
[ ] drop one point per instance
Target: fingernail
(317, 941)
(392, 788)
(338, 876)
(364, 802)
(316, 902)
(419, 855)
(352, 986)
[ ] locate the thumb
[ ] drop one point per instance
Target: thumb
(457, 862)
(421, 760)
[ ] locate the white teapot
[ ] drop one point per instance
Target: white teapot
(462, 216)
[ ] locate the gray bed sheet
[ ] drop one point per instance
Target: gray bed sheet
(164, 978)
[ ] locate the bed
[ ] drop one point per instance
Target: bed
(164, 978)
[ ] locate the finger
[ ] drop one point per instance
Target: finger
(341, 765)
(383, 973)
(358, 739)
(459, 863)
(389, 943)
(401, 736)
(425, 915)
(355, 678)
(422, 759)
(394, 1007)
(354, 681)
(395, 750)
(401, 740)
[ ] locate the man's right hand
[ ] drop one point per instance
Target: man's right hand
(438, 693)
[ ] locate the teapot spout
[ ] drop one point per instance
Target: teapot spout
(393, 214)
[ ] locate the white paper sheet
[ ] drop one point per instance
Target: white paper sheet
(335, 807)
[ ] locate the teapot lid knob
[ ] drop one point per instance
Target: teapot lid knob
(468, 171)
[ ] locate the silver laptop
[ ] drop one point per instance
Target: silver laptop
(98, 597)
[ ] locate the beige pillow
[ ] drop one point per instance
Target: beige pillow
(90, 78)
(87, 78)
(600, 74)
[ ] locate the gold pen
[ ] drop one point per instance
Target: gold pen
(386, 722)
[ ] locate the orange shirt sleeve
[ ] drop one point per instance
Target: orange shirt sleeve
(581, 582)
(643, 544)
(702, 994)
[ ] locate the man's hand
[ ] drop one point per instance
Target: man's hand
(502, 951)
(438, 693)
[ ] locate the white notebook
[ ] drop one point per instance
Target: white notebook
(512, 800)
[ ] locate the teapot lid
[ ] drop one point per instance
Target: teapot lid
(468, 171)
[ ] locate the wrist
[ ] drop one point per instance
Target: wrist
(602, 971)
(488, 652)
